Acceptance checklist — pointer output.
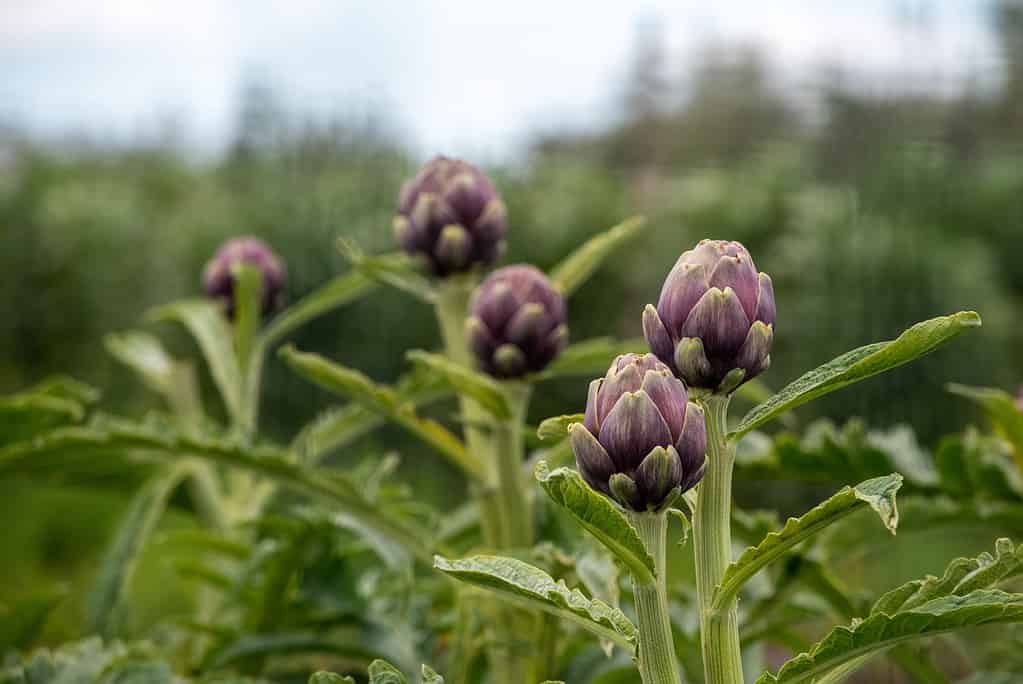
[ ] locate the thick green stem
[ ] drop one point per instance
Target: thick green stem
(712, 539)
(498, 449)
(658, 663)
(509, 454)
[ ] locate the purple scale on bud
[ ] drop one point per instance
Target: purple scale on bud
(451, 214)
(218, 279)
(642, 441)
(714, 321)
(516, 323)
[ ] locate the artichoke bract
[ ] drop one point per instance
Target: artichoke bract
(642, 441)
(714, 321)
(218, 280)
(516, 322)
(451, 214)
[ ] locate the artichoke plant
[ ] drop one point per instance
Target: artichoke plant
(218, 278)
(517, 322)
(642, 441)
(451, 214)
(714, 321)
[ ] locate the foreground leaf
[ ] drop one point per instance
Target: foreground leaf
(845, 649)
(1001, 408)
(599, 517)
(342, 290)
(859, 364)
(329, 678)
(486, 391)
(384, 401)
(878, 494)
(557, 427)
(122, 440)
(397, 270)
(532, 588)
(576, 269)
(207, 324)
(107, 597)
(382, 672)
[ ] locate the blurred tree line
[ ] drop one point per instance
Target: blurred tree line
(871, 210)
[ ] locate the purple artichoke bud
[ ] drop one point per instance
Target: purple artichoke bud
(516, 323)
(1019, 398)
(451, 213)
(642, 441)
(714, 322)
(218, 279)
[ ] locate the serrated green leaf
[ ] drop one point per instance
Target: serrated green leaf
(557, 427)
(483, 389)
(598, 516)
(382, 672)
(342, 290)
(107, 597)
(397, 270)
(212, 332)
(384, 401)
(329, 678)
(250, 645)
(173, 379)
(530, 587)
(429, 676)
(859, 364)
(576, 269)
(878, 494)
(845, 649)
(122, 439)
(1001, 409)
(591, 358)
(962, 576)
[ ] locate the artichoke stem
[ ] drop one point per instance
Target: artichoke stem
(658, 663)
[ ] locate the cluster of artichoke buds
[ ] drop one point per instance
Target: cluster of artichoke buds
(517, 322)
(642, 442)
(218, 276)
(714, 321)
(451, 214)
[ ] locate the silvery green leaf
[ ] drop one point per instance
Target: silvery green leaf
(483, 389)
(557, 427)
(340, 291)
(1000, 407)
(382, 672)
(845, 649)
(598, 516)
(212, 332)
(397, 270)
(107, 596)
(429, 676)
(859, 364)
(878, 494)
(384, 401)
(530, 587)
(329, 678)
(577, 267)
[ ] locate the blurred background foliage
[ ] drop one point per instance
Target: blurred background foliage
(872, 211)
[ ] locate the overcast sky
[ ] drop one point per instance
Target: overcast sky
(462, 76)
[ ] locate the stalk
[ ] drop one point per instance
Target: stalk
(712, 538)
(501, 452)
(658, 663)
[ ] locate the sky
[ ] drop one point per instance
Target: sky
(464, 77)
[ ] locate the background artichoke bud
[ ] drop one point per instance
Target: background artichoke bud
(451, 213)
(517, 322)
(1019, 398)
(642, 442)
(218, 279)
(714, 321)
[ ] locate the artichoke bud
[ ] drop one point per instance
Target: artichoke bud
(642, 442)
(451, 214)
(714, 321)
(1019, 399)
(517, 322)
(218, 275)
